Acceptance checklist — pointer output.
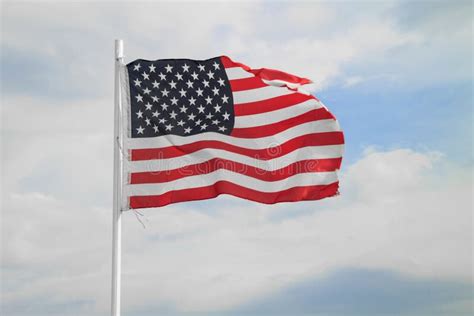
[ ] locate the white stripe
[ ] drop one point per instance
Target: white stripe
(298, 180)
(259, 94)
(305, 153)
(237, 73)
(277, 115)
(253, 143)
(281, 83)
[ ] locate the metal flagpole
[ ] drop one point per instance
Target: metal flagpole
(117, 221)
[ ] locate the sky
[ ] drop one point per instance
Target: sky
(398, 240)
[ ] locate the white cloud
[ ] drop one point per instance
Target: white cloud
(326, 42)
(351, 81)
(400, 210)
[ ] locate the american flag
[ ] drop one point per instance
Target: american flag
(195, 129)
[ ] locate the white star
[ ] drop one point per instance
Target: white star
(173, 84)
(182, 92)
(154, 98)
(210, 74)
(168, 68)
(201, 68)
(162, 76)
(140, 130)
(174, 101)
(137, 67)
(190, 84)
(156, 84)
(164, 92)
(194, 75)
(169, 127)
(146, 91)
(147, 120)
(226, 116)
(187, 130)
(199, 92)
(191, 117)
(201, 109)
(162, 120)
(137, 82)
(164, 106)
(140, 114)
(224, 99)
(152, 68)
(185, 68)
(198, 122)
(192, 101)
(221, 82)
(173, 115)
(139, 98)
(156, 113)
(215, 90)
(216, 65)
(222, 128)
(179, 76)
(148, 106)
(180, 123)
(203, 127)
(217, 108)
(205, 83)
(183, 109)
(209, 116)
(215, 122)
(145, 76)
(208, 100)
(155, 128)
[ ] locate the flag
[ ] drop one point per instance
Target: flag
(193, 130)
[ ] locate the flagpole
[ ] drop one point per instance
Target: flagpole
(117, 212)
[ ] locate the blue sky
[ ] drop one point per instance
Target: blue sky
(397, 241)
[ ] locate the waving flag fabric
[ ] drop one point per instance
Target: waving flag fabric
(196, 129)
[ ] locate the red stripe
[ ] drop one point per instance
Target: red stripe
(314, 192)
(272, 74)
(271, 104)
(275, 128)
(266, 73)
(247, 84)
(315, 139)
(303, 166)
(229, 63)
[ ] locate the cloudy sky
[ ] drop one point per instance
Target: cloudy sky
(397, 241)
